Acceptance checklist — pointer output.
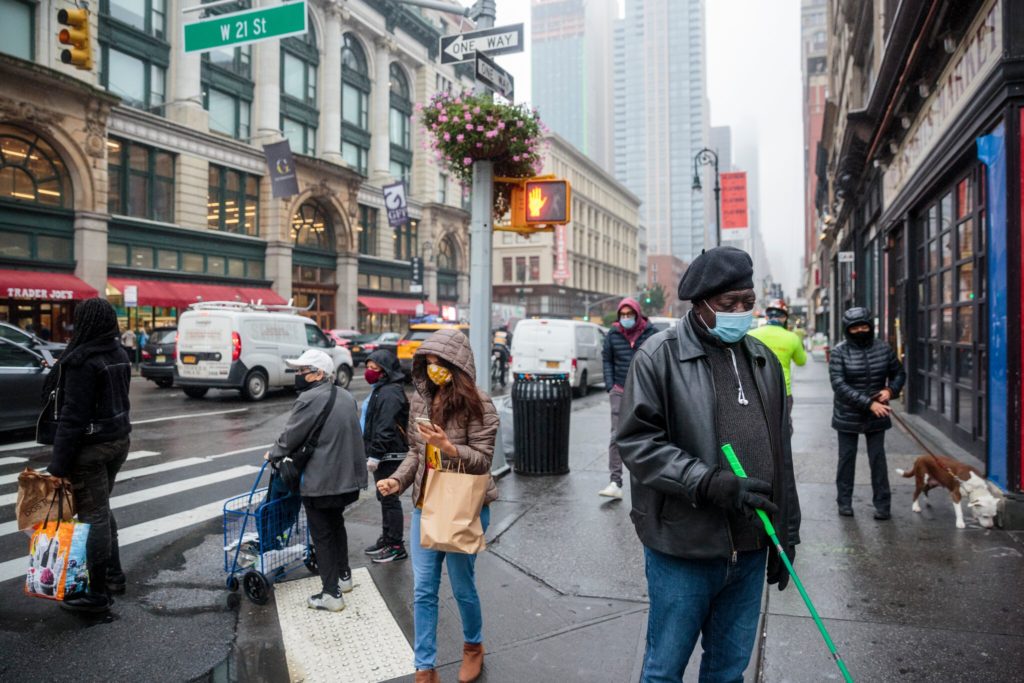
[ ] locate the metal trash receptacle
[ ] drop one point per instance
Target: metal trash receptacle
(541, 410)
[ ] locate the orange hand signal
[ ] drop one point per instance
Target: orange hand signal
(537, 200)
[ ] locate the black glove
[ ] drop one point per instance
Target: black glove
(777, 572)
(730, 492)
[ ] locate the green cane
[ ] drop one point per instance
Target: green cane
(737, 469)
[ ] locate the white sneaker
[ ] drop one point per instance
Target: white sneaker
(612, 490)
(326, 601)
(345, 582)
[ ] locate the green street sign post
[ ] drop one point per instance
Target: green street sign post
(251, 26)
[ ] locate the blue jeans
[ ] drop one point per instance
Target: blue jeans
(715, 598)
(426, 570)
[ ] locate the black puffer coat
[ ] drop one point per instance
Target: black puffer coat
(617, 354)
(387, 416)
(92, 400)
(858, 373)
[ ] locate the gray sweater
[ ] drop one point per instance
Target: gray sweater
(339, 463)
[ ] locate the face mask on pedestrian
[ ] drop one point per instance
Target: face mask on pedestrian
(438, 374)
(862, 338)
(302, 381)
(627, 323)
(372, 376)
(730, 327)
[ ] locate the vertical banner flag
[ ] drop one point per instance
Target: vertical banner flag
(283, 181)
(561, 273)
(734, 203)
(394, 202)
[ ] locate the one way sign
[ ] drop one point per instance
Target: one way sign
(500, 40)
(488, 72)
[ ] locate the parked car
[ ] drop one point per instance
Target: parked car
(555, 347)
(30, 341)
(365, 344)
(343, 337)
(418, 334)
(244, 347)
(158, 357)
(22, 375)
(662, 324)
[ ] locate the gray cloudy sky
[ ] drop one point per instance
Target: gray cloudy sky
(753, 50)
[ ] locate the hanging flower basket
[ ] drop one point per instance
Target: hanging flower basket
(464, 128)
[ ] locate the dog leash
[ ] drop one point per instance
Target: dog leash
(737, 469)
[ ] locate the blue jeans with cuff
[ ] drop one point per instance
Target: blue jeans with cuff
(715, 598)
(426, 569)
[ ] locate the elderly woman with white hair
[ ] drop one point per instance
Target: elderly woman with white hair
(334, 473)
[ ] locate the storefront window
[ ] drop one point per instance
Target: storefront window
(53, 248)
(117, 254)
(192, 263)
(31, 170)
(233, 201)
(15, 245)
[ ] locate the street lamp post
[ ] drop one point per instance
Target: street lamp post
(708, 157)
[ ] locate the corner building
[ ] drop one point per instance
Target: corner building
(148, 170)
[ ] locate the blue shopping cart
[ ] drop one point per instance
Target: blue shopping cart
(265, 537)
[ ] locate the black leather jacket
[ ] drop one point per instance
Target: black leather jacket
(858, 373)
(668, 441)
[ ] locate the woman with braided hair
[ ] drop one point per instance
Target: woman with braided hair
(88, 425)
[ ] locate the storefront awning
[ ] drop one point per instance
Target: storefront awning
(380, 304)
(168, 294)
(36, 285)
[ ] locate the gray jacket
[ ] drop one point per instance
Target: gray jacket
(339, 463)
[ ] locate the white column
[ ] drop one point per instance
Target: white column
(330, 76)
(267, 72)
(346, 303)
(91, 249)
(184, 85)
(380, 144)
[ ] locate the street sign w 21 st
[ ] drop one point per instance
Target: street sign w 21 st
(251, 26)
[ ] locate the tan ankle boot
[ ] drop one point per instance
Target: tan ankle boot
(427, 676)
(472, 662)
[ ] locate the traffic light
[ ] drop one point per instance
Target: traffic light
(77, 36)
(547, 202)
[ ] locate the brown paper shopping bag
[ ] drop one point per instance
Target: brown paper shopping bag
(41, 497)
(450, 520)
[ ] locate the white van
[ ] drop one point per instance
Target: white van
(549, 347)
(662, 324)
(228, 345)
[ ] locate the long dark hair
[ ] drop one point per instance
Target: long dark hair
(95, 319)
(458, 397)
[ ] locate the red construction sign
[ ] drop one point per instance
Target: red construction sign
(734, 201)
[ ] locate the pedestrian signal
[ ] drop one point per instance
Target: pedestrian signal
(547, 202)
(77, 36)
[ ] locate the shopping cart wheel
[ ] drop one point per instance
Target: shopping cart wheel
(310, 561)
(256, 587)
(232, 583)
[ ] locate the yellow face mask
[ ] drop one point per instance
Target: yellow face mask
(439, 375)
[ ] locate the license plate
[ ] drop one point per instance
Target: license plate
(161, 359)
(188, 360)
(552, 363)
(356, 349)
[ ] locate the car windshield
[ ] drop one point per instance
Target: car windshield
(363, 338)
(163, 337)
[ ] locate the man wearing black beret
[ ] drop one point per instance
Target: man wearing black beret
(691, 389)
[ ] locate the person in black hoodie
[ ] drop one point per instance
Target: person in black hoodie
(90, 410)
(384, 420)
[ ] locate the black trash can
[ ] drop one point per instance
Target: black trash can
(541, 408)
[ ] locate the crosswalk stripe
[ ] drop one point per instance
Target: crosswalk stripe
(161, 491)
(187, 415)
(18, 446)
(12, 461)
(134, 455)
(16, 568)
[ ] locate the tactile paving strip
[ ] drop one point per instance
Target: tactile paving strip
(361, 643)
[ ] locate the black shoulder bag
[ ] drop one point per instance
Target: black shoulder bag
(291, 467)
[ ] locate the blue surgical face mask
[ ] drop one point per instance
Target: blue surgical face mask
(627, 323)
(730, 327)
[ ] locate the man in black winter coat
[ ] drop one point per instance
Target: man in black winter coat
(385, 420)
(866, 375)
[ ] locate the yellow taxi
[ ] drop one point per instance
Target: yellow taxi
(419, 333)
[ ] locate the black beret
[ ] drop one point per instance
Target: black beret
(722, 269)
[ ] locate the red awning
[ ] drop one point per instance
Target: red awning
(35, 285)
(380, 304)
(168, 294)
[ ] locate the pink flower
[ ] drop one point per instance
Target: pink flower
(466, 161)
(515, 158)
(442, 118)
(476, 110)
(519, 123)
(460, 137)
(479, 129)
(490, 119)
(468, 117)
(479, 145)
(469, 126)
(501, 125)
(447, 137)
(440, 106)
(458, 100)
(492, 134)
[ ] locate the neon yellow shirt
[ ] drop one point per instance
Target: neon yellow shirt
(786, 346)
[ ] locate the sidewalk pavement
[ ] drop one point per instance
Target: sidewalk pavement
(564, 594)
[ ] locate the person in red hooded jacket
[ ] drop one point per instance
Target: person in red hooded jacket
(628, 334)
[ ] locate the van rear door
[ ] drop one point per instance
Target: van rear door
(205, 345)
(542, 347)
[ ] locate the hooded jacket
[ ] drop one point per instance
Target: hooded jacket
(387, 413)
(338, 464)
(858, 373)
(92, 400)
(474, 440)
(621, 345)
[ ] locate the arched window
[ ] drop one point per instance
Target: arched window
(31, 170)
(447, 255)
(400, 126)
(355, 99)
(447, 270)
(312, 228)
(299, 113)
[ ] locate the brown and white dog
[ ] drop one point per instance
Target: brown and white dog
(933, 471)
